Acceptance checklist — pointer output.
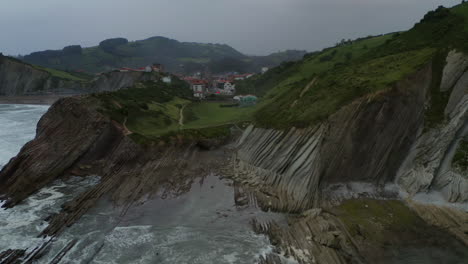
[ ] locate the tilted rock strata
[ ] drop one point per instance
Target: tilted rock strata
(17, 78)
(365, 141)
(428, 165)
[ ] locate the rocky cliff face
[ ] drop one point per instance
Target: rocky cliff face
(74, 138)
(113, 81)
(342, 172)
(365, 141)
(429, 164)
(332, 177)
(379, 139)
(18, 78)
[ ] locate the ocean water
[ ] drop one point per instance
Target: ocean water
(17, 126)
(201, 226)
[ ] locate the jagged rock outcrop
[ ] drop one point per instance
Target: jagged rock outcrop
(368, 144)
(74, 138)
(365, 231)
(376, 140)
(365, 141)
(429, 164)
(446, 218)
(64, 134)
(116, 80)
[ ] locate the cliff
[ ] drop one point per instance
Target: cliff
(365, 141)
(19, 78)
(340, 173)
(363, 159)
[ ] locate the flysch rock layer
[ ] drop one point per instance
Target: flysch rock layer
(291, 171)
(365, 141)
(18, 78)
(376, 140)
(428, 165)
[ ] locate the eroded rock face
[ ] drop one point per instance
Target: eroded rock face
(365, 141)
(286, 164)
(375, 141)
(428, 165)
(114, 81)
(457, 62)
(74, 138)
(369, 231)
(17, 78)
(64, 134)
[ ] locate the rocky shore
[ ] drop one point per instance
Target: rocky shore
(334, 183)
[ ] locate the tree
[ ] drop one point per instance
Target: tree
(72, 50)
(109, 45)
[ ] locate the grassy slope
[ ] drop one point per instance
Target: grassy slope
(64, 75)
(81, 77)
(151, 111)
(352, 70)
(334, 77)
(287, 74)
(208, 114)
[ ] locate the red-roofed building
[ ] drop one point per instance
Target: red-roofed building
(198, 86)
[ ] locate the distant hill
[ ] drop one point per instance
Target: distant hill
(18, 78)
(184, 57)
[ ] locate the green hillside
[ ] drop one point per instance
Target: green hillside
(305, 92)
(58, 74)
(300, 93)
(155, 110)
(185, 57)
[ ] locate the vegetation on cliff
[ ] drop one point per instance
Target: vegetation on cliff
(63, 75)
(154, 110)
(460, 160)
(305, 92)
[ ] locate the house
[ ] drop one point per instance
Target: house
(241, 77)
(166, 79)
(229, 88)
(224, 87)
(158, 67)
(264, 70)
(199, 87)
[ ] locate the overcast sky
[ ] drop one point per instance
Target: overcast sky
(251, 26)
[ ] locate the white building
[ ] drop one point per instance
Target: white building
(198, 90)
(229, 86)
(167, 79)
(264, 69)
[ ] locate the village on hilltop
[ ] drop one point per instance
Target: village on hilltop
(203, 86)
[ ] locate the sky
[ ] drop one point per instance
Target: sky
(254, 27)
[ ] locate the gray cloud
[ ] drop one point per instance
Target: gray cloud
(251, 26)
